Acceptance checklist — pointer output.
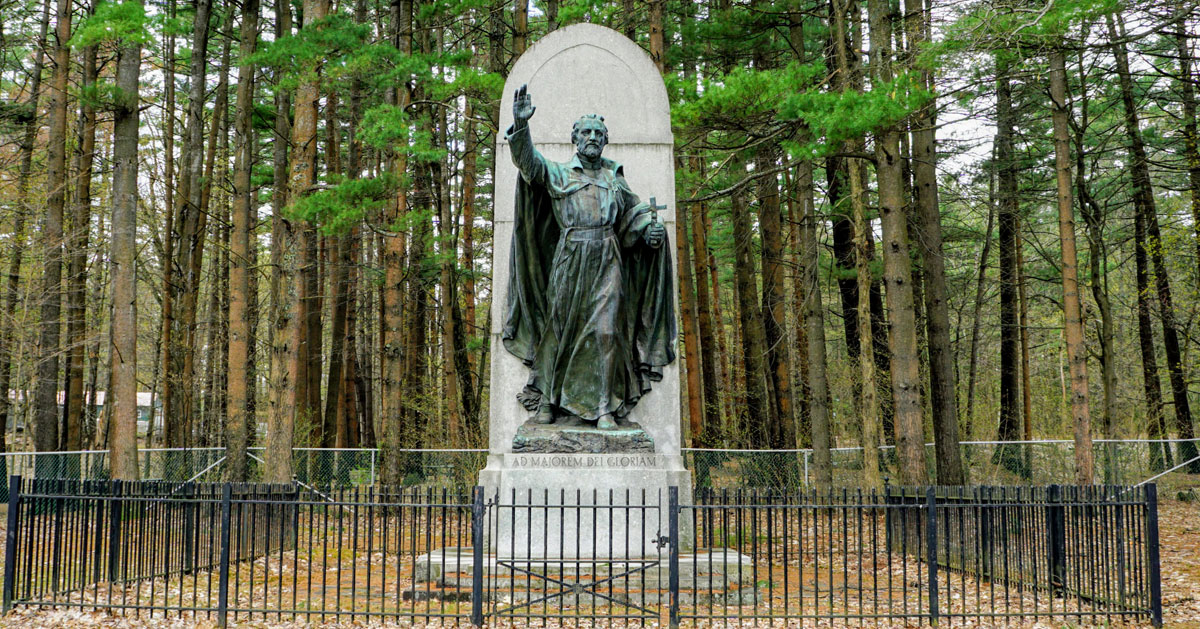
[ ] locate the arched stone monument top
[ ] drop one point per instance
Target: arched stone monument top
(584, 69)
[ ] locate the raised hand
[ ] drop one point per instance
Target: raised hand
(522, 106)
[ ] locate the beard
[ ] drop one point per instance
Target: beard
(590, 151)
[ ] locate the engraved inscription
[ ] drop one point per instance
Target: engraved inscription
(587, 461)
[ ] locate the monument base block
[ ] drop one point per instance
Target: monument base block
(584, 505)
(717, 578)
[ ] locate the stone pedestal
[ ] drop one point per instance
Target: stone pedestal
(583, 505)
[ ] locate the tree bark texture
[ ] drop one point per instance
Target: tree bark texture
(897, 270)
(239, 420)
(1072, 310)
(122, 404)
(943, 401)
(45, 425)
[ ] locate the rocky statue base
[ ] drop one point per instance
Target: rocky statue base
(623, 495)
(564, 438)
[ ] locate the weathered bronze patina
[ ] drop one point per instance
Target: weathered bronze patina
(590, 305)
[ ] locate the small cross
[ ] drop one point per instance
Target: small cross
(654, 208)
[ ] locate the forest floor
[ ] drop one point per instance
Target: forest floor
(1180, 555)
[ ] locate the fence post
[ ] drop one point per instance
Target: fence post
(1056, 519)
(10, 541)
(189, 528)
(1153, 568)
(931, 545)
(114, 531)
(56, 557)
(478, 515)
(673, 554)
(887, 515)
(223, 584)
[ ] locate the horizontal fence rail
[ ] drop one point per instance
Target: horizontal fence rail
(439, 556)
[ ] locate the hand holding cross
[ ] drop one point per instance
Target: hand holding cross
(656, 233)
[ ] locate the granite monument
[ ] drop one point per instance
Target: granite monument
(585, 394)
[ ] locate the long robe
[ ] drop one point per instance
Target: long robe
(590, 305)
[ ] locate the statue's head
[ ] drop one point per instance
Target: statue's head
(590, 136)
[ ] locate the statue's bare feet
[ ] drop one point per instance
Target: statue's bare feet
(545, 415)
(606, 423)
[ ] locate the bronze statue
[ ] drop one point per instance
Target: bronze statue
(590, 304)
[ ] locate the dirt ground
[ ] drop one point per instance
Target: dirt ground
(1180, 554)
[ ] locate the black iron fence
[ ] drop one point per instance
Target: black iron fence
(258, 552)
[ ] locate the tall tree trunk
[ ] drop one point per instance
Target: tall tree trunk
(724, 334)
(450, 329)
(305, 325)
(758, 415)
(656, 29)
(12, 289)
(1072, 310)
(1143, 200)
(418, 315)
(180, 298)
(335, 426)
(467, 237)
(863, 355)
(1156, 428)
(1009, 220)
(1094, 219)
(1026, 361)
(943, 403)
(81, 222)
(868, 399)
(800, 342)
(392, 332)
(696, 393)
(782, 433)
(168, 240)
(212, 404)
(897, 270)
(1191, 137)
(280, 421)
(984, 256)
(239, 421)
(520, 27)
(710, 429)
(845, 70)
(121, 407)
(814, 322)
(45, 426)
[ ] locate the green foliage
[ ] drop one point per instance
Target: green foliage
(345, 203)
(113, 22)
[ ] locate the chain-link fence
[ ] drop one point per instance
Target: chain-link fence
(1123, 462)
(1045, 462)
